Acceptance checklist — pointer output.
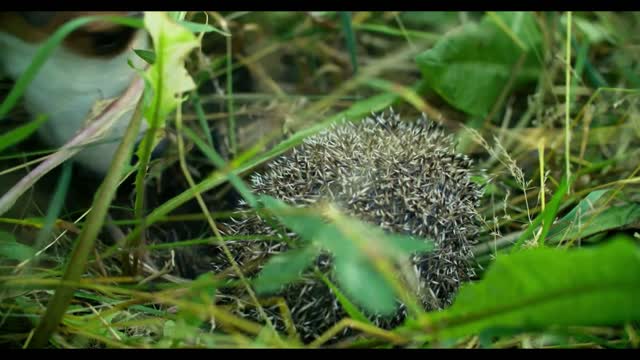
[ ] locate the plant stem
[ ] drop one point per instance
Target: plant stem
(567, 102)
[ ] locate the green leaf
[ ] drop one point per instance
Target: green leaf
(471, 67)
(168, 75)
(13, 250)
(300, 221)
(146, 55)
(285, 268)
(585, 205)
(350, 308)
(366, 286)
(549, 287)
(587, 218)
(407, 245)
(311, 226)
(16, 135)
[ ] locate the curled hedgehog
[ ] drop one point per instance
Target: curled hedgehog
(404, 177)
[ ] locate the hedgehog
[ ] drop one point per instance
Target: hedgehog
(403, 176)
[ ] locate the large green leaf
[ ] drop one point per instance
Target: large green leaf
(353, 245)
(349, 307)
(587, 218)
(363, 283)
(469, 68)
(284, 268)
(302, 221)
(585, 205)
(338, 235)
(544, 287)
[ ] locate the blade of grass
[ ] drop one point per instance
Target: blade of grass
(209, 240)
(541, 165)
(233, 146)
(567, 101)
(592, 74)
(168, 297)
(410, 95)
(345, 19)
(396, 16)
(550, 212)
(581, 58)
(202, 119)
(507, 30)
(144, 159)
(387, 30)
(219, 162)
(57, 202)
(84, 244)
(17, 135)
(545, 218)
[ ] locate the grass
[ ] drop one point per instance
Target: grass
(543, 148)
